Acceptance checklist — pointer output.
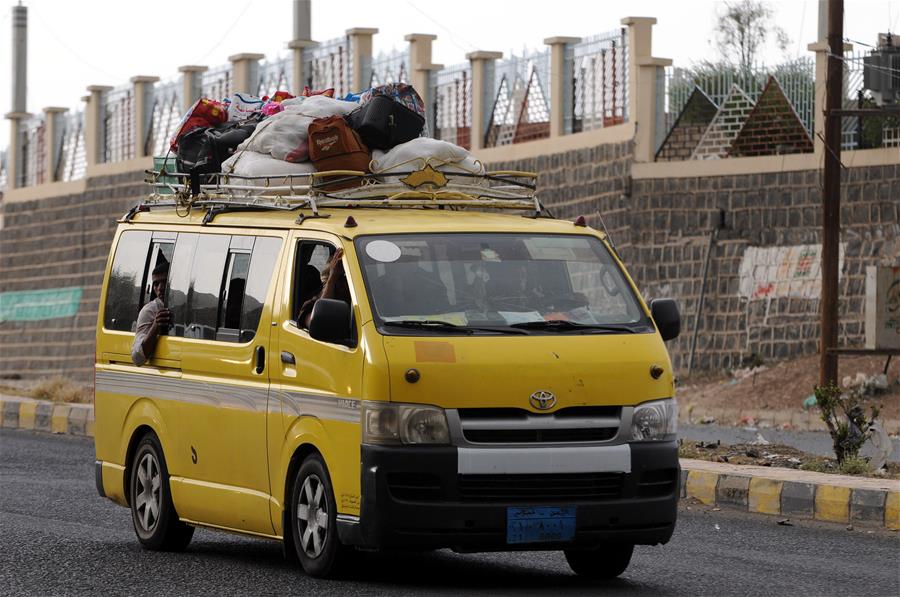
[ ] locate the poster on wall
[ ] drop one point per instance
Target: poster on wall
(784, 272)
(38, 305)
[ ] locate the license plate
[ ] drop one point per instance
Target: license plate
(540, 525)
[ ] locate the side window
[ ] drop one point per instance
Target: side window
(206, 285)
(126, 279)
(262, 263)
(232, 297)
(312, 257)
(180, 281)
(162, 247)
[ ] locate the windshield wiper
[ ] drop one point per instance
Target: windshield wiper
(563, 325)
(446, 326)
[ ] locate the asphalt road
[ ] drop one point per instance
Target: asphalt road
(58, 537)
(812, 442)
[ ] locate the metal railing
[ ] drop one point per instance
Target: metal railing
(390, 67)
(452, 107)
(521, 108)
(167, 107)
(118, 127)
(600, 81)
(216, 82)
(33, 151)
(864, 132)
(73, 160)
(329, 65)
(274, 75)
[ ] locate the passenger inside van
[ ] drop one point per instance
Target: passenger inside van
(334, 286)
(154, 318)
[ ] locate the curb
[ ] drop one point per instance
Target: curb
(793, 493)
(799, 420)
(765, 490)
(18, 412)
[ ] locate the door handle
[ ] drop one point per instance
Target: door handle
(288, 358)
(260, 359)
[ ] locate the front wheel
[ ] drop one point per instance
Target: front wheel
(155, 521)
(314, 520)
(605, 562)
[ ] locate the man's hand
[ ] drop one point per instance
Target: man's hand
(336, 265)
(163, 318)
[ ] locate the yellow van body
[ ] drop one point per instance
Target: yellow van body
(233, 432)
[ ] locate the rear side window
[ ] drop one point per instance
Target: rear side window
(206, 286)
(126, 280)
(265, 253)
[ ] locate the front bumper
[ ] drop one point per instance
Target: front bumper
(413, 497)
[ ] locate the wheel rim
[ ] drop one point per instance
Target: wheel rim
(147, 493)
(312, 516)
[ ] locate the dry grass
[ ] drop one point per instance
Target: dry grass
(60, 389)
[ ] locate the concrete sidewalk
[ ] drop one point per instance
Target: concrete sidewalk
(782, 492)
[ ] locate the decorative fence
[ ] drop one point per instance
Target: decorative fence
(330, 64)
(216, 82)
(453, 104)
(73, 161)
(714, 111)
(389, 67)
(274, 75)
(864, 132)
(600, 81)
(33, 151)
(118, 129)
(167, 107)
(521, 108)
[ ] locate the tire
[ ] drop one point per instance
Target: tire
(155, 521)
(314, 520)
(604, 562)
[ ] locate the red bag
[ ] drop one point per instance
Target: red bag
(204, 113)
(333, 145)
(307, 92)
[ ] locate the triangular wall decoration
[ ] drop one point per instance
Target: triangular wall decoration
(773, 127)
(721, 132)
(689, 127)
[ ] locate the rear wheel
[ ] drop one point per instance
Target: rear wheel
(314, 520)
(155, 521)
(604, 562)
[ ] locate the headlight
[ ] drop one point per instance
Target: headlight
(654, 420)
(392, 423)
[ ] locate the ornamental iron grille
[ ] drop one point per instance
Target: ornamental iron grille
(73, 161)
(216, 83)
(389, 67)
(453, 104)
(724, 128)
(600, 77)
(688, 129)
(118, 125)
(274, 75)
(772, 128)
(166, 116)
(328, 66)
(864, 132)
(521, 108)
(34, 152)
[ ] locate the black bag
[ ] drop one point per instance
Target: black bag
(204, 149)
(384, 123)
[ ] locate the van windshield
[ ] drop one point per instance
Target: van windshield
(519, 283)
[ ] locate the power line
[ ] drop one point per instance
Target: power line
(227, 31)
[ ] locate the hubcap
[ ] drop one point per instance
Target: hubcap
(147, 494)
(312, 516)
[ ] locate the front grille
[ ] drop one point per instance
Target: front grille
(555, 488)
(518, 426)
(657, 483)
(512, 436)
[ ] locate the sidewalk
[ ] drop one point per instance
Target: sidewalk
(782, 492)
(797, 420)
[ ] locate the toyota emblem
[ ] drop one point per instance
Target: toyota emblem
(543, 400)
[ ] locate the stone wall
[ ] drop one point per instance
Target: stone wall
(55, 243)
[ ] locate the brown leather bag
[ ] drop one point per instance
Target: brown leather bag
(333, 145)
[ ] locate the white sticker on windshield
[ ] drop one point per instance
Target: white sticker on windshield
(383, 250)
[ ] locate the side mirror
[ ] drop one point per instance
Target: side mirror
(330, 321)
(665, 315)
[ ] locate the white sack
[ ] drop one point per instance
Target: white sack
(318, 106)
(422, 151)
(283, 136)
(251, 163)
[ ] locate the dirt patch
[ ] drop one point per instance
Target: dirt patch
(777, 455)
(785, 385)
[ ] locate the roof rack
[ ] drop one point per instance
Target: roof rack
(426, 187)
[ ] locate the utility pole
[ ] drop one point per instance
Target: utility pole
(831, 194)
